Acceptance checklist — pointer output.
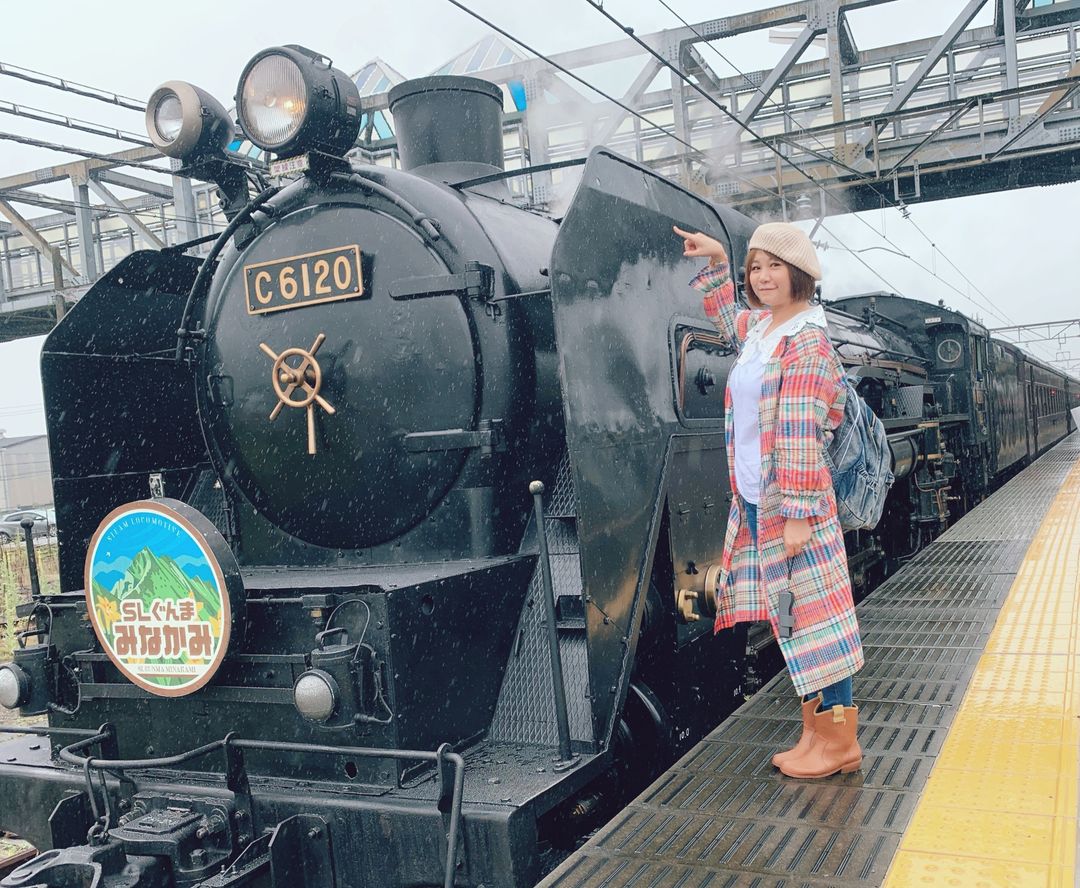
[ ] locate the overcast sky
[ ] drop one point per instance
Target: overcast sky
(131, 50)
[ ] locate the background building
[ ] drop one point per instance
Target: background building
(25, 472)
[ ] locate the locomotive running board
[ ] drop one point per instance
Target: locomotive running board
(618, 277)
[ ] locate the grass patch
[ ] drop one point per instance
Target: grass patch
(15, 586)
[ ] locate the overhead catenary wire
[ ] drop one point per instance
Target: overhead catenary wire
(944, 256)
(860, 259)
(637, 114)
(899, 207)
(724, 110)
(768, 100)
(488, 23)
(48, 80)
(757, 88)
(910, 258)
(123, 101)
(596, 4)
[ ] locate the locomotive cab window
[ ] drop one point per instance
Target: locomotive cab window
(978, 354)
(701, 360)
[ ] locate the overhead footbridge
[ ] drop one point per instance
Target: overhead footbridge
(974, 109)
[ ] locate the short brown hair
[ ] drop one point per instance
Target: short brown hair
(803, 287)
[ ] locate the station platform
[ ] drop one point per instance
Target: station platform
(969, 723)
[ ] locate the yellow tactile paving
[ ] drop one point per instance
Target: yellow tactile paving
(1000, 807)
(917, 868)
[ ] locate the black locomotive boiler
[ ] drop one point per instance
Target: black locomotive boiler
(318, 625)
(997, 405)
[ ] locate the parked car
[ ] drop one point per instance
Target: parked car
(11, 527)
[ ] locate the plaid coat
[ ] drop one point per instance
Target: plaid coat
(802, 400)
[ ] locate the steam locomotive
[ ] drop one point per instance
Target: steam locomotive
(389, 529)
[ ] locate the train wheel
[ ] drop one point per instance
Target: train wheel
(643, 744)
(642, 747)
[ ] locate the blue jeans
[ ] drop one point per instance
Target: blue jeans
(750, 510)
(837, 694)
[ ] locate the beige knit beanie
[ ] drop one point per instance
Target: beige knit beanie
(788, 243)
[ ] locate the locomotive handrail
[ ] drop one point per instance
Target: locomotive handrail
(48, 730)
(429, 225)
(689, 337)
(188, 244)
(442, 756)
(524, 171)
(878, 349)
(182, 332)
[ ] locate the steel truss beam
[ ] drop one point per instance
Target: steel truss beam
(76, 168)
(1044, 331)
(910, 147)
(936, 141)
(943, 44)
(134, 183)
(632, 99)
(40, 244)
(130, 219)
(694, 64)
(72, 123)
(33, 199)
(944, 143)
(795, 51)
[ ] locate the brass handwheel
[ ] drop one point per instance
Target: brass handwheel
(284, 374)
(307, 375)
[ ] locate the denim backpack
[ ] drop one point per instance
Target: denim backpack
(861, 464)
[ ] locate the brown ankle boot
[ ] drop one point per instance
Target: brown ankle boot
(834, 746)
(808, 710)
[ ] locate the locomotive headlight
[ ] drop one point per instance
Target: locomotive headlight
(186, 122)
(273, 99)
(169, 118)
(14, 686)
(291, 100)
(316, 695)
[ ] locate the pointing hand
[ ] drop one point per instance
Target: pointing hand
(698, 244)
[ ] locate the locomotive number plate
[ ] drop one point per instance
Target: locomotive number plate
(308, 279)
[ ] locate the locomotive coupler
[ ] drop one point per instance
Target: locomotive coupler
(96, 866)
(195, 836)
(185, 838)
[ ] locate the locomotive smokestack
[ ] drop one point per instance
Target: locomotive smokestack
(447, 120)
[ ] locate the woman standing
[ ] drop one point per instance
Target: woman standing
(783, 398)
